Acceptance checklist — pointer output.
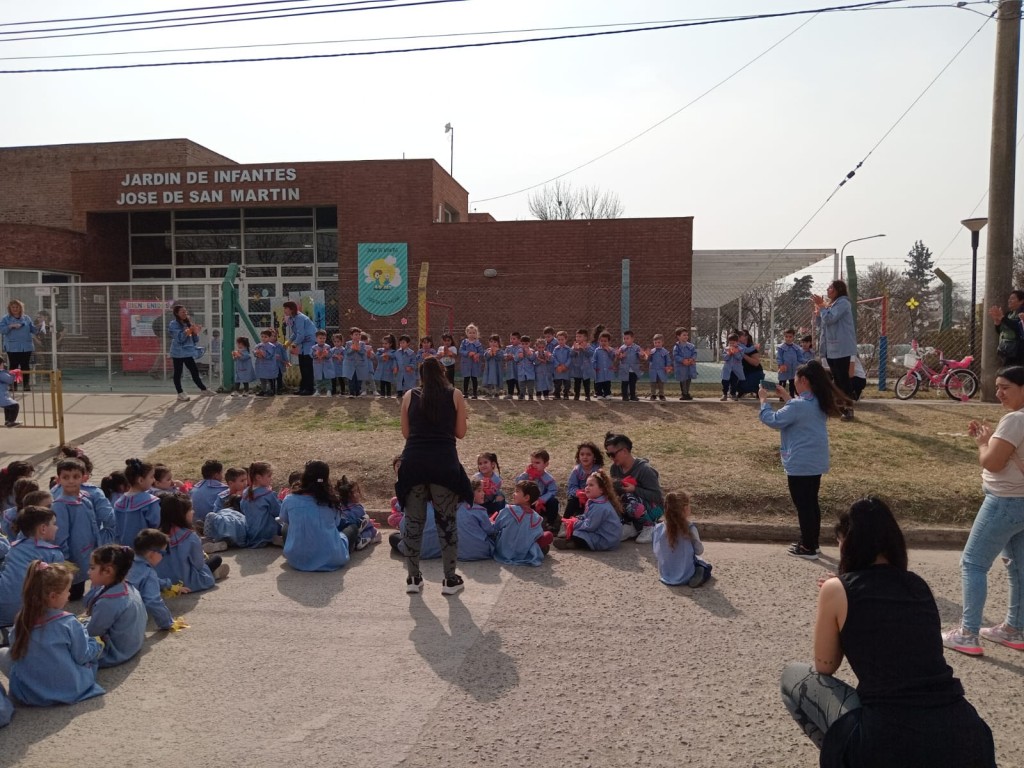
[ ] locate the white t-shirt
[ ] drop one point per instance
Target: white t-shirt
(1010, 480)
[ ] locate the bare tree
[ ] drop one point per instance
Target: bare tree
(1018, 260)
(559, 201)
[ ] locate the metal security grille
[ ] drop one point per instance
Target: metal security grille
(41, 397)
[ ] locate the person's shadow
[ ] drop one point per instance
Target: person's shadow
(463, 655)
(313, 589)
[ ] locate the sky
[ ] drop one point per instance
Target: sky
(751, 161)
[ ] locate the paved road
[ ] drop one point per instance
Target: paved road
(587, 660)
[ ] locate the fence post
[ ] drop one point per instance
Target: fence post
(228, 297)
(851, 286)
(625, 295)
(421, 313)
(947, 300)
(883, 344)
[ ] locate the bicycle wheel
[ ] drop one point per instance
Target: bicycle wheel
(961, 383)
(907, 385)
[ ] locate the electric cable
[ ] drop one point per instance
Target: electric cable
(151, 13)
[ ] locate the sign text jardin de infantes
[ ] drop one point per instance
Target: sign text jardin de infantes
(232, 185)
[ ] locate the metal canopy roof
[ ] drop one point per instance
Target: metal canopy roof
(721, 277)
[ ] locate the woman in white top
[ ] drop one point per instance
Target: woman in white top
(999, 525)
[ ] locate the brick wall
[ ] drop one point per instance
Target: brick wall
(24, 246)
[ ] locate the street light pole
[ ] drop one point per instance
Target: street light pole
(975, 226)
(855, 240)
(449, 128)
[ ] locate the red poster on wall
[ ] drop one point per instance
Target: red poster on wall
(143, 332)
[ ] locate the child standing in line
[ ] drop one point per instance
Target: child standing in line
(526, 373)
(788, 357)
(659, 364)
(471, 353)
(426, 350)
(521, 538)
(684, 357)
(283, 360)
(604, 367)
(10, 405)
(245, 374)
(261, 507)
(493, 367)
(115, 609)
(185, 561)
(581, 364)
(487, 474)
(447, 353)
(371, 365)
(310, 514)
(150, 546)
(54, 659)
(38, 525)
(547, 503)
(204, 493)
(599, 528)
(386, 370)
(561, 364)
(338, 383)
(323, 365)
(677, 543)
(515, 343)
(356, 366)
(138, 508)
(225, 527)
(589, 459)
(405, 366)
(550, 342)
(476, 531)
(627, 359)
(265, 356)
(542, 369)
(806, 350)
(732, 368)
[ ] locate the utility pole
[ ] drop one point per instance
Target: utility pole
(999, 247)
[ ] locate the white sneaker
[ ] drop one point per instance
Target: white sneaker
(628, 532)
(183, 398)
(646, 535)
(209, 546)
(222, 571)
(236, 393)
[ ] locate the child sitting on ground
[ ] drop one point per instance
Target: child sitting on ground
(138, 508)
(185, 561)
(150, 545)
(225, 527)
(53, 657)
(487, 474)
(677, 544)
(313, 541)
(261, 507)
(38, 525)
(547, 504)
(22, 487)
(204, 493)
(600, 526)
(476, 531)
(356, 524)
(115, 609)
(521, 538)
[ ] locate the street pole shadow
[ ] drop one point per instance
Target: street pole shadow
(465, 657)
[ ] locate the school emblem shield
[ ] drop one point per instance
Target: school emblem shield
(383, 277)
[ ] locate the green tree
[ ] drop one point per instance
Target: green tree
(920, 272)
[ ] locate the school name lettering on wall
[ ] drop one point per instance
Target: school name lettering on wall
(223, 185)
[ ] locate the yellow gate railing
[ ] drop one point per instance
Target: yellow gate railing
(41, 396)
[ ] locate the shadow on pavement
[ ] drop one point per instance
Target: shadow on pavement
(313, 590)
(707, 597)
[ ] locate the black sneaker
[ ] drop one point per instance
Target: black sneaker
(452, 585)
(413, 584)
(798, 550)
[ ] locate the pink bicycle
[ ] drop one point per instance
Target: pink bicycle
(955, 376)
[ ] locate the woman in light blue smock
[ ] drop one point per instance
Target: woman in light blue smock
(837, 336)
(17, 330)
(184, 349)
(310, 514)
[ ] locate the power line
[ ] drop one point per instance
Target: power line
(216, 19)
(147, 13)
(456, 46)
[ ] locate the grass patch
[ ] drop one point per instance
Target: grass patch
(917, 455)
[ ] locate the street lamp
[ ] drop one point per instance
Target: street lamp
(449, 128)
(975, 226)
(855, 240)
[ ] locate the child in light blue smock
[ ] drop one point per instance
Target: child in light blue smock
(628, 357)
(599, 528)
(525, 362)
(227, 523)
(487, 473)
(205, 492)
(54, 659)
(510, 370)
(39, 527)
(788, 356)
(313, 541)
(77, 529)
(23, 486)
(471, 361)
(521, 538)
(684, 359)
(283, 361)
(588, 460)
(115, 609)
(676, 545)
(542, 369)
(323, 364)
(356, 364)
(493, 364)
(138, 508)
(659, 366)
(386, 371)
(355, 523)
(732, 368)
(581, 363)
(603, 362)
(807, 352)
(561, 365)
(150, 546)
(261, 507)
(266, 367)
(245, 373)
(476, 531)
(405, 366)
(339, 386)
(11, 406)
(185, 562)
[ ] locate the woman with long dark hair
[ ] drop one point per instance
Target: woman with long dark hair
(907, 709)
(837, 336)
(803, 420)
(313, 540)
(433, 418)
(184, 349)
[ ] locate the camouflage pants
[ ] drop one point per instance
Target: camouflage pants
(445, 503)
(816, 701)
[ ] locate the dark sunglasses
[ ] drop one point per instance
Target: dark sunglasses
(612, 454)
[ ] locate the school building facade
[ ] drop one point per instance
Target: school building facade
(169, 212)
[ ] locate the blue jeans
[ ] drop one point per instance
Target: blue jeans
(998, 528)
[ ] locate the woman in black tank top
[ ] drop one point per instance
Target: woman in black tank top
(907, 709)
